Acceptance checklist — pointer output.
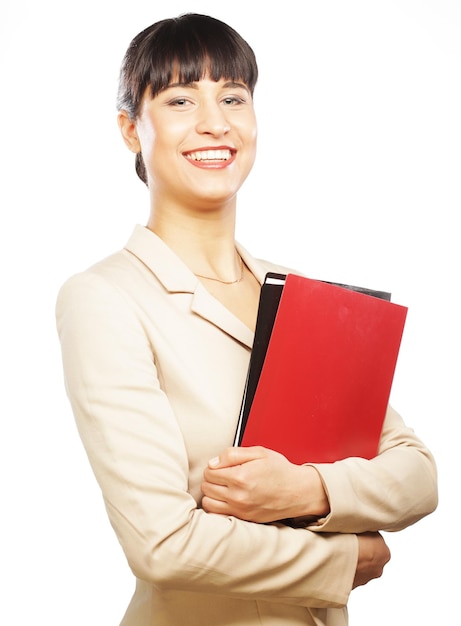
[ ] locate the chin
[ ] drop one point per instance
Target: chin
(215, 195)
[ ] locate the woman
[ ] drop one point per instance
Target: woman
(156, 342)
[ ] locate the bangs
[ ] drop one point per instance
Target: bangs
(183, 49)
(189, 60)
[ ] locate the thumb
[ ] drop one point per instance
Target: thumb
(235, 456)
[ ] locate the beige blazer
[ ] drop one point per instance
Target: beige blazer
(154, 369)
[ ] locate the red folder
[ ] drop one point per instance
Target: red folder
(326, 378)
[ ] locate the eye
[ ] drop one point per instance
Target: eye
(179, 102)
(232, 100)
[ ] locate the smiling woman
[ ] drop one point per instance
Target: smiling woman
(156, 341)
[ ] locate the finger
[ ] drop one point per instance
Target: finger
(236, 456)
(218, 476)
(210, 505)
(212, 490)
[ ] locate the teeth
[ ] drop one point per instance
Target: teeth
(210, 155)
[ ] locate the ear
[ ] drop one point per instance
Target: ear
(128, 129)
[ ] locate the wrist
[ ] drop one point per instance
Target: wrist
(313, 500)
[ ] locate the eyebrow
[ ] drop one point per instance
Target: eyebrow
(194, 85)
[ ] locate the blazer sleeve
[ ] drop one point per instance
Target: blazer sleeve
(390, 492)
(139, 458)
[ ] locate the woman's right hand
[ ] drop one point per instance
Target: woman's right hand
(373, 556)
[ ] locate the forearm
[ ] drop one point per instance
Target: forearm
(275, 563)
(389, 492)
(171, 543)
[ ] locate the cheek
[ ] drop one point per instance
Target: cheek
(252, 136)
(255, 142)
(154, 152)
(162, 141)
(252, 146)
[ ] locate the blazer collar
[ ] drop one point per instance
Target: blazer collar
(176, 277)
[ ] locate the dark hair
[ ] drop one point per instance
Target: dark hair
(183, 48)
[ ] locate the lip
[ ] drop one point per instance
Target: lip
(211, 157)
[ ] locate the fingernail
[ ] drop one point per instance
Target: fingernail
(214, 462)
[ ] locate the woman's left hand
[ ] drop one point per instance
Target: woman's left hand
(260, 485)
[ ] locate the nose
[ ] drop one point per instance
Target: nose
(212, 120)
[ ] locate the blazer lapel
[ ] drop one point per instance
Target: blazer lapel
(208, 307)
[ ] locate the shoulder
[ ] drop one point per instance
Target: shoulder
(100, 285)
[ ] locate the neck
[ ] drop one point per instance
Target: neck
(204, 241)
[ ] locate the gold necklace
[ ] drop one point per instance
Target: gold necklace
(225, 282)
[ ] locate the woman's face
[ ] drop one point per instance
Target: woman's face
(198, 141)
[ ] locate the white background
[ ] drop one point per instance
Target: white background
(357, 180)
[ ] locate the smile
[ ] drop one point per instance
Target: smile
(209, 155)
